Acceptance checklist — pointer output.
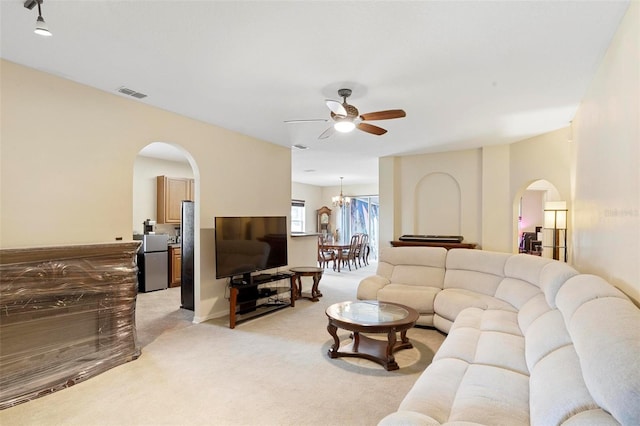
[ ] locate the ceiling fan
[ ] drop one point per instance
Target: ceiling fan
(347, 117)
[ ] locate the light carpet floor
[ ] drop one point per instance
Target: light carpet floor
(273, 370)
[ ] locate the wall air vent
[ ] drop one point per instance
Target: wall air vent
(129, 92)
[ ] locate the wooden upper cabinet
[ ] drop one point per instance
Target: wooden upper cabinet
(171, 193)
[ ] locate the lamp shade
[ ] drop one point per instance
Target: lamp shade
(555, 215)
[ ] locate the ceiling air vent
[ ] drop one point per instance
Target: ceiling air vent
(299, 146)
(129, 92)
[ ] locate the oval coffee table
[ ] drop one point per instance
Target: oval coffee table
(371, 316)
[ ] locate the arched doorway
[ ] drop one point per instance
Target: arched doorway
(529, 206)
(172, 161)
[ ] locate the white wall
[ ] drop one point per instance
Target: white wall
(606, 164)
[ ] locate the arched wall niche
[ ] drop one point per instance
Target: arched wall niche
(438, 206)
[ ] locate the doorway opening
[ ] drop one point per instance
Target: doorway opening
(158, 166)
(529, 221)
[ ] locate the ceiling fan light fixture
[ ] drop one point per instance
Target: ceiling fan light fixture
(344, 126)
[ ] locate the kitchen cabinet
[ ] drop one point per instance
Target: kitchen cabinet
(171, 192)
(175, 266)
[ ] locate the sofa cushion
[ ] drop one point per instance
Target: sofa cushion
(487, 337)
(531, 311)
(525, 267)
(545, 335)
(435, 390)
(476, 270)
(492, 396)
(452, 391)
(451, 301)
(516, 292)
(408, 418)
(595, 417)
(420, 266)
(552, 277)
(557, 388)
(419, 298)
(604, 327)
(418, 256)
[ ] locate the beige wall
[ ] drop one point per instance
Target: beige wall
(497, 212)
(406, 176)
(606, 165)
(67, 162)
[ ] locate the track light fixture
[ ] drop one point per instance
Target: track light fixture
(41, 26)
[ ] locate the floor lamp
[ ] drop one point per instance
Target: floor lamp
(555, 223)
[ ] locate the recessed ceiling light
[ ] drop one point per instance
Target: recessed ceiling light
(309, 170)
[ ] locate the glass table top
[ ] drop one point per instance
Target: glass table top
(369, 312)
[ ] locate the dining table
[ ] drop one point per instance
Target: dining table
(339, 248)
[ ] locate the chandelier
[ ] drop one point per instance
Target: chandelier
(340, 200)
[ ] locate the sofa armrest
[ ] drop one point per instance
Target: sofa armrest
(369, 287)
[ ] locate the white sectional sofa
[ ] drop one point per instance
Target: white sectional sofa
(530, 340)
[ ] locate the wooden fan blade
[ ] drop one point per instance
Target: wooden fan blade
(309, 120)
(384, 115)
(336, 107)
(330, 131)
(370, 128)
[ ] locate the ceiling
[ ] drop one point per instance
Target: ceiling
(468, 74)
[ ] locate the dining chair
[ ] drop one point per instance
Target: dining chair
(363, 250)
(350, 255)
(325, 255)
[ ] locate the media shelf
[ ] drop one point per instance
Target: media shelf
(252, 296)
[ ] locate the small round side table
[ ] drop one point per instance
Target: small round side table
(307, 271)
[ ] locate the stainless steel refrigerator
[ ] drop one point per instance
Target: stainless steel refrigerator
(187, 235)
(153, 266)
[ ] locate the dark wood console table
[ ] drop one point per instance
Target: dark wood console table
(260, 296)
(398, 243)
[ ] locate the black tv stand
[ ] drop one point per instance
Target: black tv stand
(256, 295)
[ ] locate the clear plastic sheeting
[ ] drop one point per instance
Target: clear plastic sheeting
(66, 314)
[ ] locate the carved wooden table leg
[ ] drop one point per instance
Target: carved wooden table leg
(315, 293)
(405, 340)
(356, 340)
(333, 331)
(390, 359)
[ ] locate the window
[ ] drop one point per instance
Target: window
(362, 216)
(297, 215)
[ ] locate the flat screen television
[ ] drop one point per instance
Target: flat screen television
(246, 244)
